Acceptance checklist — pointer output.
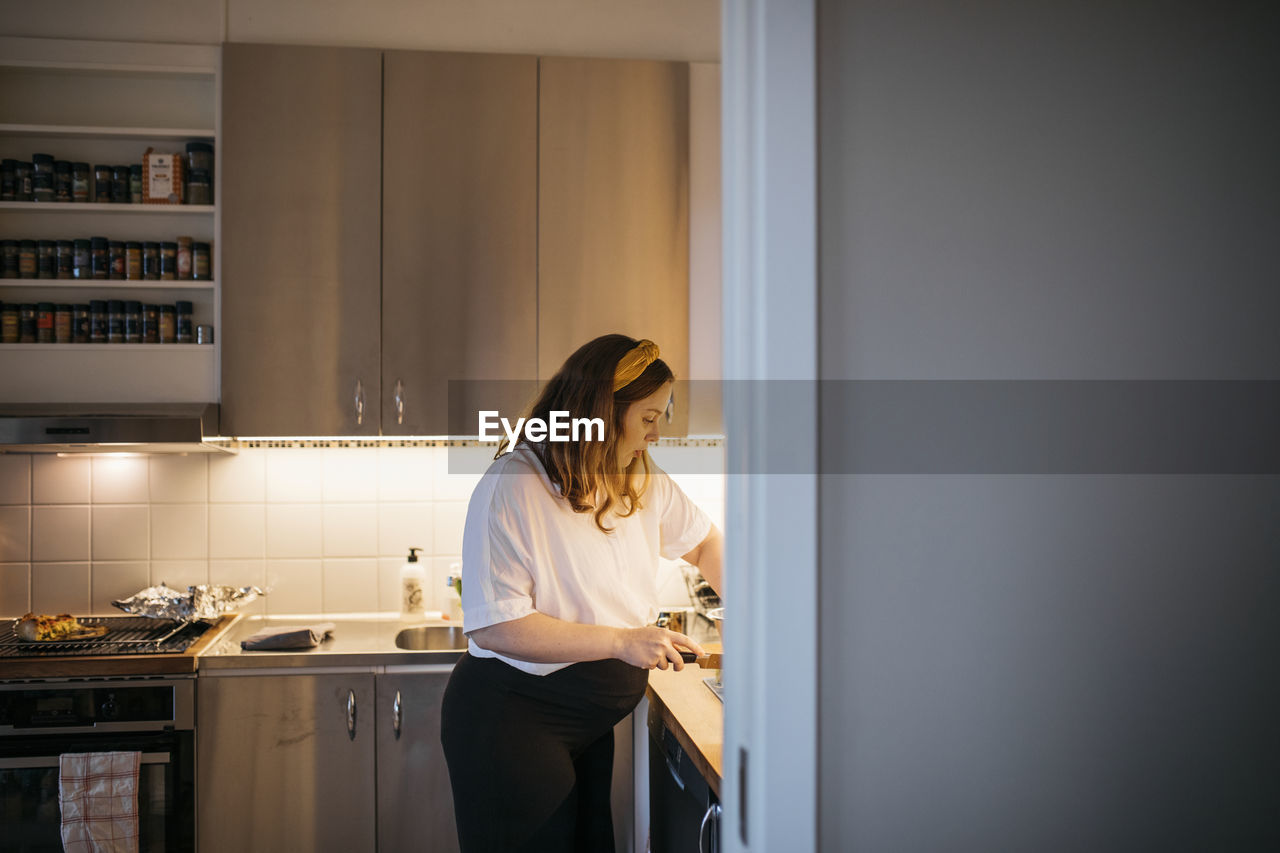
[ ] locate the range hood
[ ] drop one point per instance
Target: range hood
(98, 428)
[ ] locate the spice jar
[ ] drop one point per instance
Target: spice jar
(42, 177)
(133, 261)
(21, 181)
(47, 259)
(44, 323)
(168, 261)
(199, 189)
(116, 254)
(61, 180)
(120, 184)
(99, 258)
(133, 322)
(151, 324)
(168, 325)
(184, 258)
(135, 183)
(101, 184)
(27, 323)
(115, 321)
(79, 182)
(81, 266)
(199, 156)
(9, 258)
(27, 259)
(97, 321)
(9, 323)
(202, 265)
(62, 324)
(65, 259)
(151, 261)
(186, 331)
(8, 174)
(80, 323)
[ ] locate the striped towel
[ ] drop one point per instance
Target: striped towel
(98, 795)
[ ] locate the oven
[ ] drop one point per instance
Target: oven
(39, 721)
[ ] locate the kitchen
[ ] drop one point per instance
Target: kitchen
(989, 644)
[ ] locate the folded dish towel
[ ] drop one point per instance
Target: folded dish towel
(98, 796)
(295, 637)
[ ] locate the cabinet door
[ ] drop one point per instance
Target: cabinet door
(613, 208)
(277, 766)
(415, 802)
(459, 263)
(301, 161)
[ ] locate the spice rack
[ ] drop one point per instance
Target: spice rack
(108, 102)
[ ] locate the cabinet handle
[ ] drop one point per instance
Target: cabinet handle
(711, 815)
(399, 402)
(351, 714)
(395, 715)
(359, 403)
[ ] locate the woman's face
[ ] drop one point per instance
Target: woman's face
(640, 425)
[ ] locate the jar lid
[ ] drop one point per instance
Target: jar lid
(28, 244)
(79, 166)
(150, 308)
(193, 147)
(97, 304)
(169, 245)
(116, 244)
(135, 169)
(115, 305)
(28, 306)
(98, 167)
(42, 158)
(9, 162)
(81, 244)
(62, 244)
(204, 246)
(184, 307)
(133, 244)
(48, 244)
(166, 309)
(98, 240)
(44, 306)
(133, 305)
(148, 245)
(80, 306)
(61, 164)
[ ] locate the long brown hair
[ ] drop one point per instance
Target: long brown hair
(586, 471)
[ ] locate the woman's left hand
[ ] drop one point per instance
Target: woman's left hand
(652, 647)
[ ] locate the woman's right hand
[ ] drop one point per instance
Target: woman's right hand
(651, 647)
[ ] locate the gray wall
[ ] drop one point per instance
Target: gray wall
(1034, 191)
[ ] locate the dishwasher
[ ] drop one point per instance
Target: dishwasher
(684, 811)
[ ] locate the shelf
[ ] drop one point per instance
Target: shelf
(99, 207)
(108, 373)
(104, 284)
(68, 130)
(99, 347)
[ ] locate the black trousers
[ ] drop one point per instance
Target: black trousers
(531, 757)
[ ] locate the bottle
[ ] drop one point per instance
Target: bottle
(453, 594)
(413, 587)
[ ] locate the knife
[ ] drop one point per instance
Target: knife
(706, 661)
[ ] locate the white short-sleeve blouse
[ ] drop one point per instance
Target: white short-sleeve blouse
(524, 549)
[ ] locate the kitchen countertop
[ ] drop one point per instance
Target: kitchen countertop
(360, 641)
(689, 709)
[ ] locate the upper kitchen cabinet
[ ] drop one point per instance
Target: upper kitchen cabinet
(103, 104)
(613, 208)
(302, 131)
(459, 245)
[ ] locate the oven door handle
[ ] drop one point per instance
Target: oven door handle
(24, 762)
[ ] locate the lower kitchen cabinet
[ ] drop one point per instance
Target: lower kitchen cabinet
(684, 812)
(337, 762)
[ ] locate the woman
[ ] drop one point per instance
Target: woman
(559, 563)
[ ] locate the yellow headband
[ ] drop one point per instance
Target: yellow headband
(635, 362)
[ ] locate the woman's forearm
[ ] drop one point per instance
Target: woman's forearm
(539, 638)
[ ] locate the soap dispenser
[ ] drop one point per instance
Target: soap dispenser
(413, 587)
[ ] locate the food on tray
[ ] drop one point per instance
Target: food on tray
(42, 628)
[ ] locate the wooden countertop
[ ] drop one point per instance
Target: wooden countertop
(101, 665)
(689, 709)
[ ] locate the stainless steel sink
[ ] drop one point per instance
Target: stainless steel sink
(432, 638)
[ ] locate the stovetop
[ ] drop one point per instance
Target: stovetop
(126, 635)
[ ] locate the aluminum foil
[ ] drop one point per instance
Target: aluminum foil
(203, 601)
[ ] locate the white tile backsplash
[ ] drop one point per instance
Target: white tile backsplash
(59, 481)
(239, 477)
(60, 587)
(120, 480)
(15, 478)
(179, 531)
(295, 475)
(15, 589)
(350, 474)
(237, 531)
(59, 533)
(111, 581)
(175, 478)
(15, 534)
(351, 586)
(121, 532)
(350, 530)
(401, 526)
(327, 529)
